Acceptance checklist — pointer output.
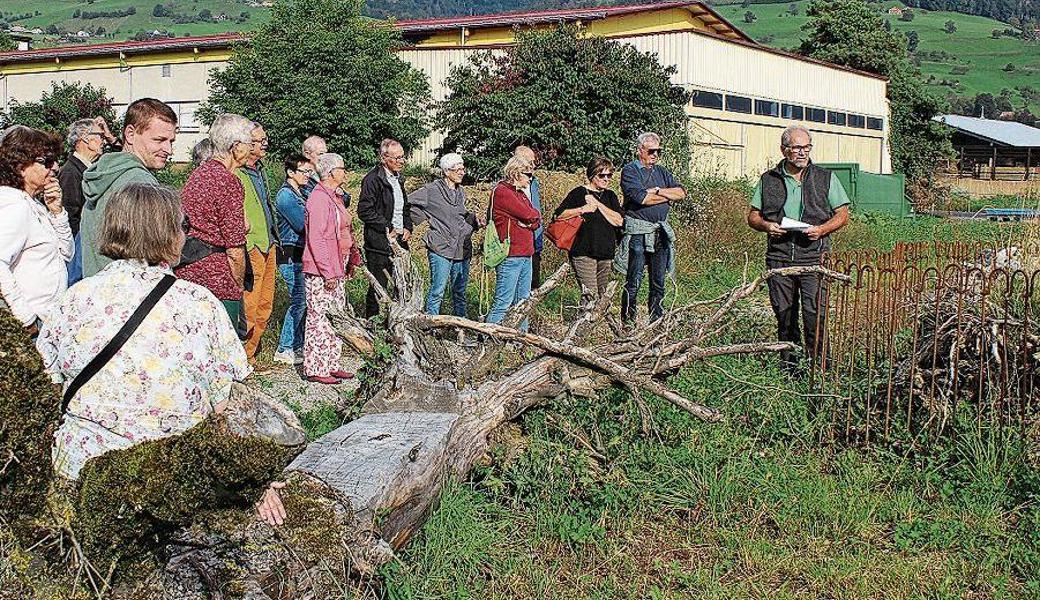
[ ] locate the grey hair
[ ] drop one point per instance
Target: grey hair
(78, 130)
(386, 145)
(785, 137)
(227, 129)
(202, 151)
(515, 166)
(646, 137)
(311, 143)
(325, 163)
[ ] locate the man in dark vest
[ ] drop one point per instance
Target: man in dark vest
(797, 190)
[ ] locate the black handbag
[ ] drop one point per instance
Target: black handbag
(117, 342)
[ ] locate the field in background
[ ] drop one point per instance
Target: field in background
(971, 46)
(575, 502)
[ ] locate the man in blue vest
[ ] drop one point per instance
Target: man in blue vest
(798, 190)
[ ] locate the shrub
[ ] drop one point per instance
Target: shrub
(322, 68)
(567, 95)
(63, 104)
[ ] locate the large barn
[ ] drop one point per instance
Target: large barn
(744, 93)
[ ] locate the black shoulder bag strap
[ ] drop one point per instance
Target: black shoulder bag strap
(117, 342)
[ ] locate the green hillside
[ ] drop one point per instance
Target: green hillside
(60, 13)
(973, 62)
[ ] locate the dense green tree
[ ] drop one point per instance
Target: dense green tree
(912, 41)
(63, 104)
(319, 67)
(750, 17)
(907, 15)
(568, 95)
(950, 27)
(7, 43)
(849, 32)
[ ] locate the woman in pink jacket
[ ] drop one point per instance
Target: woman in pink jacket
(329, 256)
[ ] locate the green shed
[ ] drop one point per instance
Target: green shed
(871, 192)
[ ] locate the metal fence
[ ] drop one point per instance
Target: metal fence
(926, 339)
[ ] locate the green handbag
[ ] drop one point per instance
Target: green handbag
(495, 250)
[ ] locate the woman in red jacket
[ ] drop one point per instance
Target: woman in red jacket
(516, 219)
(326, 257)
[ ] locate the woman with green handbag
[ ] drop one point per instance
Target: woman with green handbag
(511, 242)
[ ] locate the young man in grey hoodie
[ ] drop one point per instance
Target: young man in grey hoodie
(149, 129)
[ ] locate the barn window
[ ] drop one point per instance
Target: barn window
(767, 108)
(816, 115)
(792, 111)
(705, 99)
(875, 123)
(857, 121)
(167, 71)
(836, 118)
(738, 104)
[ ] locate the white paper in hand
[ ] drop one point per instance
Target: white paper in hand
(793, 225)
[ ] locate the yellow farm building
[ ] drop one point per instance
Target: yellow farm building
(743, 93)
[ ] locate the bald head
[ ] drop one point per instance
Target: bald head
(526, 153)
(313, 147)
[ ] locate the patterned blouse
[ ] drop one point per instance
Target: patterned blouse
(213, 200)
(167, 377)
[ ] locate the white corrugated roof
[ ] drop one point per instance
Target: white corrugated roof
(1010, 133)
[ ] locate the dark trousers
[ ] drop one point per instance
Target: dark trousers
(536, 270)
(785, 295)
(657, 263)
(380, 266)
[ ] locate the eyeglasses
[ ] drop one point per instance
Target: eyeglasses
(262, 142)
(307, 172)
(653, 151)
(800, 149)
(395, 158)
(48, 162)
(607, 175)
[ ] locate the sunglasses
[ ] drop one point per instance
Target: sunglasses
(47, 161)
(528, 175)
(605, 175)
(185, 224)
(653, 151)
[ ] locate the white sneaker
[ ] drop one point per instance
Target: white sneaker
(286, 357)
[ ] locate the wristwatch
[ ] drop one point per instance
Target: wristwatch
(657, 191)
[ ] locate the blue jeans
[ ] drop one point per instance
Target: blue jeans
(512, 284)
(442, 272)
(657, 262)
(292, 326)
(76, 264)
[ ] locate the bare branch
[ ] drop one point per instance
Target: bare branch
(523, 309)
(575, 354)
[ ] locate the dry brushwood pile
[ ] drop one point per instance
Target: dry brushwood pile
(359, 493)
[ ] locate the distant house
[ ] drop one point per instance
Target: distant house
(37, 31)
(82, 34)
(23, 42)
(896, 10)
(991, 149)
(19, 29)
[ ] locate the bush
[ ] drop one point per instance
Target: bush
(567, 95)
(63, 104)
(322, 68)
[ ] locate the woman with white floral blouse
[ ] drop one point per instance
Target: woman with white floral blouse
(172, 372)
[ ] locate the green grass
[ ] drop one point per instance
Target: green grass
(972, 44)
(59, 12)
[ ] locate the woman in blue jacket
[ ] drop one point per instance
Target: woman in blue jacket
(290, 203)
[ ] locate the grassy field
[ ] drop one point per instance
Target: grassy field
(575, 502)
(972, 47)
(60, 13)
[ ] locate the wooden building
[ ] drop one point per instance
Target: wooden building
(990, 149)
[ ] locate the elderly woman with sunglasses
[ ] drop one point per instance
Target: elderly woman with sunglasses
(36, 240)
(592, 252)
(515, 218)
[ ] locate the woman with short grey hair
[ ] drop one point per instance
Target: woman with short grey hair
(449, 242)
(213, 202)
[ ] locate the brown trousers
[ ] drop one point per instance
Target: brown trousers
(259, 302)
(593, 276)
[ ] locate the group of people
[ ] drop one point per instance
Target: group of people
(147, 303)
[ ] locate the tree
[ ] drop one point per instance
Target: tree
(792, 9)
(1008, 68)
(750, 17)
(996, 33)
(912, 40)
(567, 95)
(950, 27)
(7, 43)
(76, 14)
(159, 11)
(849, 32)
(907, 15)
(63, 104)
(346, 82)
(52, 29)
(205, 14)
